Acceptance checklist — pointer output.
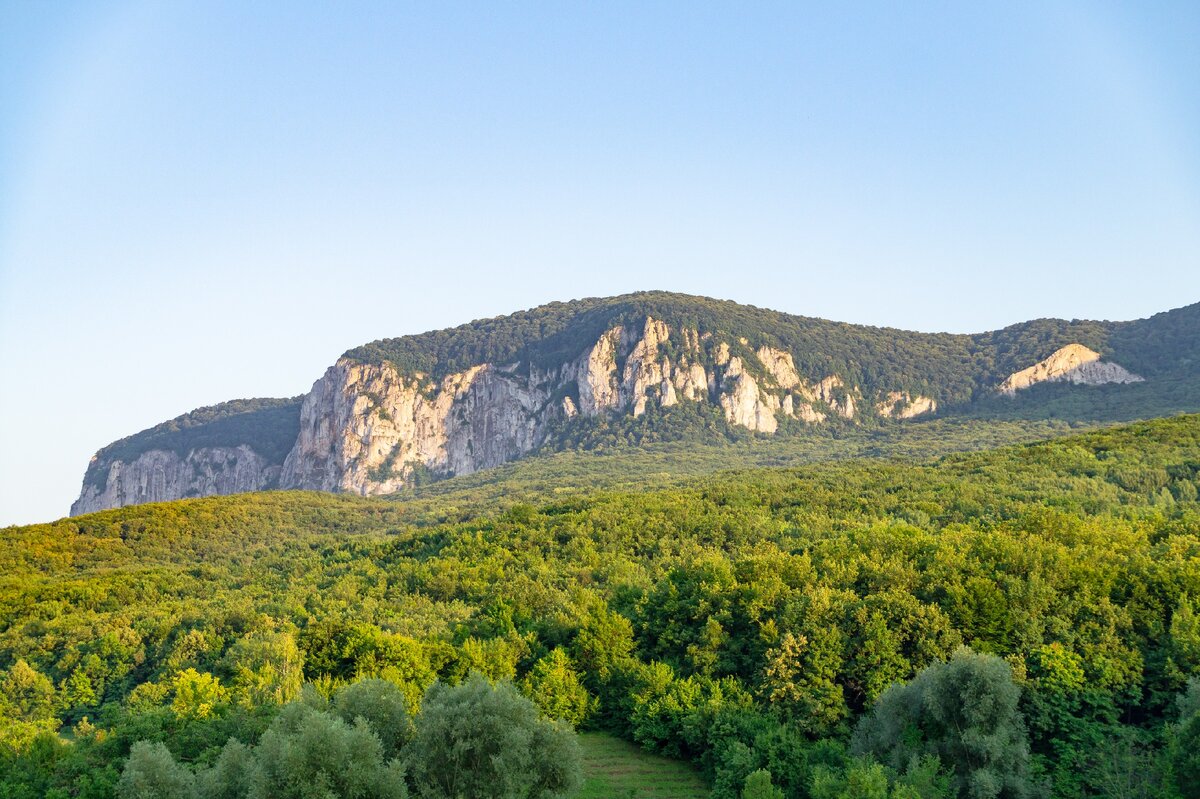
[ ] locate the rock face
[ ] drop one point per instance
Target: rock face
(158, 475)
(368, 428)
(396, 411)
(902, 405)
(1073, 363)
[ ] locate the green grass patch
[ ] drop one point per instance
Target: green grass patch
(616, 769)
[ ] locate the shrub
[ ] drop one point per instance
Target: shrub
(488, 742)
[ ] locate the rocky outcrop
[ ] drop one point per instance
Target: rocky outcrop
(745, 403)
(365, 428)
(1073, 363)
(779, 366)
(646, 374)
(833, 392)
(159, 475)
(596, 375)
(369, 428)
(902, 405)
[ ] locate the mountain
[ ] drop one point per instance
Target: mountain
(642, 367)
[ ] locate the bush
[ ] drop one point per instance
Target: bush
(964, 713)
(759, 786)
(306, 753)
(230, 777)
(152, 773)
(381, 705)
(554, 686)
(488, 742)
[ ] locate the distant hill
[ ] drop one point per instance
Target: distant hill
(620, 372)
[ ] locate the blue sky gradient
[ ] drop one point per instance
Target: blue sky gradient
(202, 201)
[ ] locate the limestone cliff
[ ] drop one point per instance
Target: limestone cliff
(1073, 363)
(158, 475)
(368, 428)
(451, 402)
(902, 405)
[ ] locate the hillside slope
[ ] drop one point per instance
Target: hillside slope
(760, 612)
(645, 367)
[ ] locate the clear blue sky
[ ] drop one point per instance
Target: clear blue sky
(206, 200)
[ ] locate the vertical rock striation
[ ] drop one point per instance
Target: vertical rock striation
(159, 475)
(369, 428)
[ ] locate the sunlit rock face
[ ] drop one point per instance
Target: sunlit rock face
(902, 405)
(159, 475)
(1073, 363)
(369, 428)
(366, 428)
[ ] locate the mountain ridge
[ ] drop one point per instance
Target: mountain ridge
(454, 401)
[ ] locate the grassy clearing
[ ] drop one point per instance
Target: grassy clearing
(615, 769)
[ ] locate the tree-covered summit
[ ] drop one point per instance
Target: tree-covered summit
(956, 368)
(266, 425)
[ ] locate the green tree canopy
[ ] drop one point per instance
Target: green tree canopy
(965, 713)
(488, 742)
(152, 773)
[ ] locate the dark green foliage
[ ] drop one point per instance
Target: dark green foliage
(488, 742)
(1185, 757)
(231, 776)
(306, 753)
(1162, 344)
(965, 714)
(382, 706)
(152, 773)
(1188, 702)
(1124, 767)
(1185, 743)
(1070, 721)
(954, 368)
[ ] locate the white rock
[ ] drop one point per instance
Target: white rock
(779, 365)
(159, 475)
(1073, 363)
(902, 405)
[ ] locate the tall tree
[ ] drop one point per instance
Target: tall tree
(476, 740)
(965, 713)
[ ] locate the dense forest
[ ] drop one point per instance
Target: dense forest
(956, 368)
(1010, 623)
